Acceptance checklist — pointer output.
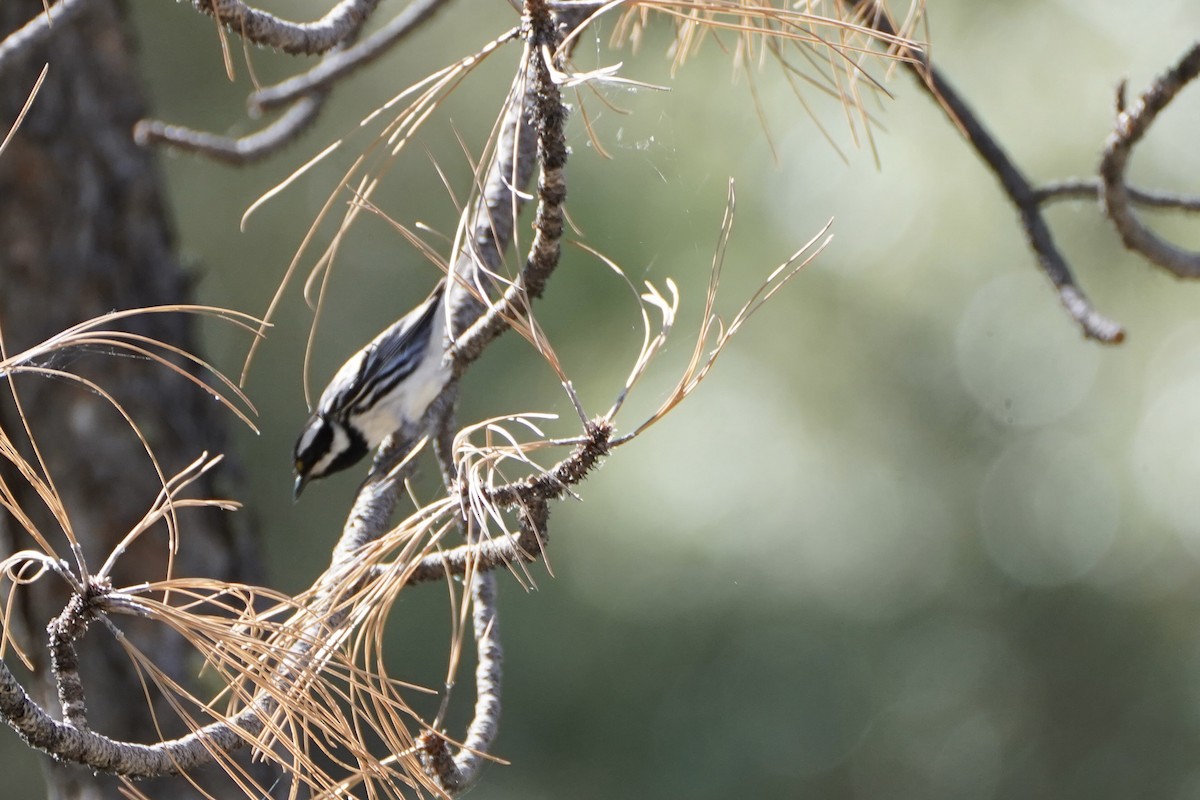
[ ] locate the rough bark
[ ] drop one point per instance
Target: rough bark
(84, 229)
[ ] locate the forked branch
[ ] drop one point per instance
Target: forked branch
(313, 639)
(70, 741)
(1117, 198)
(1132, 124)
(1018, 188)
(340, 63)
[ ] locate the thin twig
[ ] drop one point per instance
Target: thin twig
(1092, 189)
(491, 229)
(337, 65)
(443, 439)
(1132, 124)
(457, 773)
(236, 151)
(299, 117)
(454, 774)
(554, 482)
(1018, 188)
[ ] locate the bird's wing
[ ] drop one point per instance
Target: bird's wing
(390, 357)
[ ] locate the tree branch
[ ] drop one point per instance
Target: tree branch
(550, 119)
(63, 631)
(306, 38)
(1131, 126)
(68, 743)
(236, 151)
(37, 30)
(455, 774)
(1018, 188)
(1092, 189)
(525, 546)
(339, 64)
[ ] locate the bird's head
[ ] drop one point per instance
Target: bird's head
(324, 447)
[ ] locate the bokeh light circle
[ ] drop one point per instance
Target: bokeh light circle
(1166, 457)
(1048, 509)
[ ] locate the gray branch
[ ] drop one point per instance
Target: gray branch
(68, 743)
(457, 773)
(337, 65)
(232, 150)
(1131, 126)
(1093, 189)
(1015, 184)
(62, 632)
(37, 30)
(524, 546)
(306, 38)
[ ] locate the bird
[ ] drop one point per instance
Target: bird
(384, 387)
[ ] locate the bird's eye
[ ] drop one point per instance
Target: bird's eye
(299, 465)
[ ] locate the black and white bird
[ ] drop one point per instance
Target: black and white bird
(384, 387)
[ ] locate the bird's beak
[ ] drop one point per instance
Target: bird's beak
(299, 487)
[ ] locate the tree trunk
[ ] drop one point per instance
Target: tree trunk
(84, 229)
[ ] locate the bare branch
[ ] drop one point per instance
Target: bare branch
(337, 65)
(491, 228)
(1018, 188)
(1092, 189)
(306, 38)
(455, 774)
(37, 30)
(232, 150)
(525, 546)
(63, 741)
(1132, 124)
(443, 439)
(306, 101)
(550, 119)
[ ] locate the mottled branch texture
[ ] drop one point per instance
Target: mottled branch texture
(296, 38)
(338, 64)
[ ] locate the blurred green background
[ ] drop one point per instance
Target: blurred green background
(914, 538)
